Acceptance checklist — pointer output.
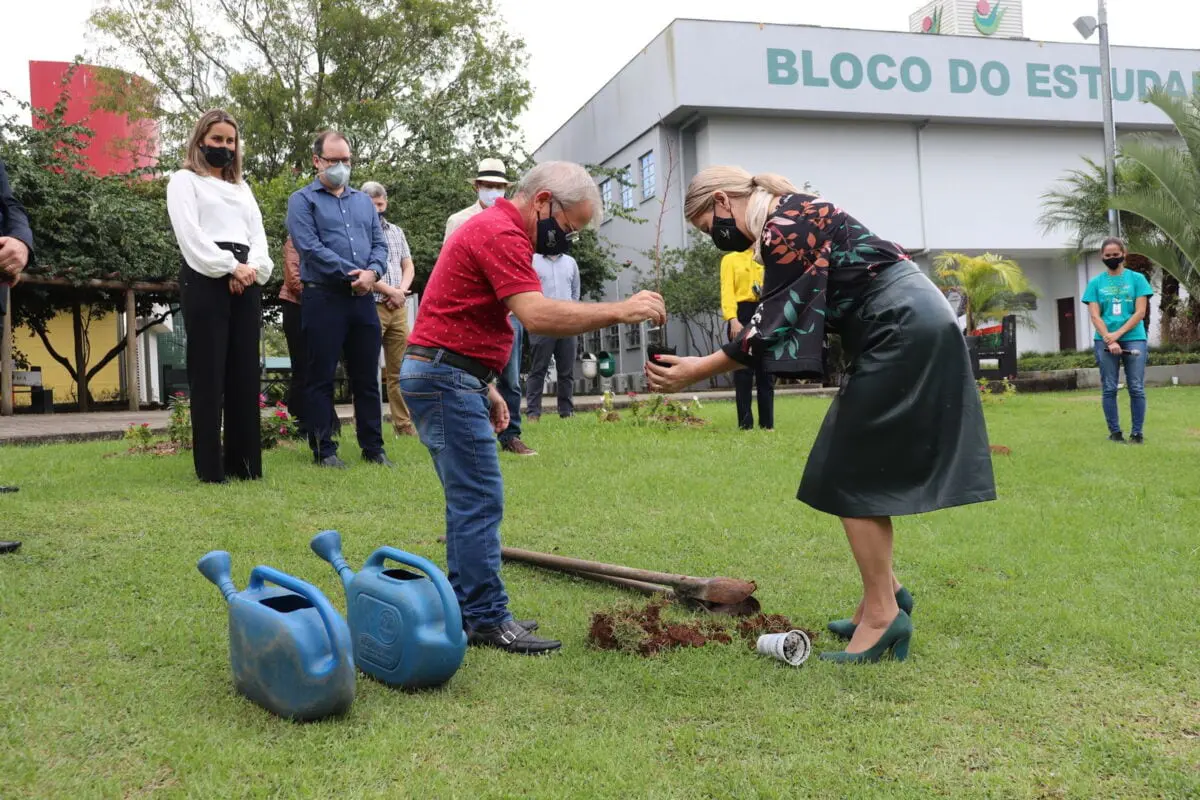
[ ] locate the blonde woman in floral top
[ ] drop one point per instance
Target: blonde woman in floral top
(906, 434)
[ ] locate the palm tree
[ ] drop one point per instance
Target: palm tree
(1158, 191)
(1079, 204)
(994, 286)
(1168, 201)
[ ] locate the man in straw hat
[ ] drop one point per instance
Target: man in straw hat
(491, 182)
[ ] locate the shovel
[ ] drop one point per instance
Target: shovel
(718, 594)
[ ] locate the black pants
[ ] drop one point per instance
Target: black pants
(338, 324)
(541, 349)
(223, 374)
(743, 385)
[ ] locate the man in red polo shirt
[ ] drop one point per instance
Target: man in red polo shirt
(457, 349)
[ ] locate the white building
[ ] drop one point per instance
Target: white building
(940, 143)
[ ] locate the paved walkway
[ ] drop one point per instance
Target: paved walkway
(45, 428)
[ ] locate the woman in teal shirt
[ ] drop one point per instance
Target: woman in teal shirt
(1118, 301)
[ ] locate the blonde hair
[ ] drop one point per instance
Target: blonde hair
(195, 161)
(737, 182)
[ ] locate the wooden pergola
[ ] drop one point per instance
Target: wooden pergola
(129, 290)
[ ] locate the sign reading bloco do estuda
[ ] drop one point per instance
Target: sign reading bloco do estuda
(837, 71)
(849, 71)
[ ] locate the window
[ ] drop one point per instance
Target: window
(606, 195)
(648, 180)
(633, 336)
(593, 342)
(655, 335)
(612, 337)
(627, 188)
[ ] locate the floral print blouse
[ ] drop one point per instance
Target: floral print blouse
(818, 260)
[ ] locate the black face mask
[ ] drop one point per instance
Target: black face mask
(551, 238)
(1114, 262)
(726, 236)
(217, 157)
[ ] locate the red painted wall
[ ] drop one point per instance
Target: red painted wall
(117, 145)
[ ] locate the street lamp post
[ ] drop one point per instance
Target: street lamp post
(1086, 27)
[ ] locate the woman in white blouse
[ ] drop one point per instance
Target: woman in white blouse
(219, 229)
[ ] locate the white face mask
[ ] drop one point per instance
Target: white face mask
(489, 196)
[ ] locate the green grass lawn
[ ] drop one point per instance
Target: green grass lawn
(1056, 647)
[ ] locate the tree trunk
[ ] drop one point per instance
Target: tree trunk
(1168, 307)
(81, 379)
(131, 381)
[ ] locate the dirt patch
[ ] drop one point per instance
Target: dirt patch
(157, 449)
(644, 631)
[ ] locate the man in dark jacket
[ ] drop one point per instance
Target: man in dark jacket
(16, 249)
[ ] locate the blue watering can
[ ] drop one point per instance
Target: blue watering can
(407, 628)
(289, 649)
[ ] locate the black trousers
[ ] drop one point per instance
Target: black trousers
(338, 324)
(563, 351)
(743, 385)
(223, 332)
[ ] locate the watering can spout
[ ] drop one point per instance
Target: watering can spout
(328, 547)
(218, 568)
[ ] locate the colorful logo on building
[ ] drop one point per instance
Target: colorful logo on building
(932, 23)
(988, 17)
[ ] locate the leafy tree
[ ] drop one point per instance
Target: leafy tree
(422, 77)
(85, 227)
(422, 88)
(994, 286)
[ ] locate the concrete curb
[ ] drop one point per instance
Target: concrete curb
(112, 425)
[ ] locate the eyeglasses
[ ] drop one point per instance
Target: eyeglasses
(347, 161)
(572, 235)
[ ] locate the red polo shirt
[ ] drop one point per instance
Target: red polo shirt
(486, 260)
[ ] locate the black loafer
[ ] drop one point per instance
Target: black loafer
(8, 489)
(9, 547)
(528, 624)
(512, 638)
(379, 458)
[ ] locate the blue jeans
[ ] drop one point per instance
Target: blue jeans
(1135, 376)
(451, 412)
(510, 383)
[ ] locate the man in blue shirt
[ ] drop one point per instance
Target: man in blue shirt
(1117, 302)
(336, 230)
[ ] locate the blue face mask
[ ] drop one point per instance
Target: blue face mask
(337, 175)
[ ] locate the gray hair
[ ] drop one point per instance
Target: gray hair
(373, 189)
(569, 183)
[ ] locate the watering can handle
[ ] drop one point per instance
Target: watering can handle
(449, 602)
(261, 574)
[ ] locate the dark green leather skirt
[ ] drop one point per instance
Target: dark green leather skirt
(905, 434)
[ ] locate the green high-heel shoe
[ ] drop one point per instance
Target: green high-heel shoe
(896, 639)
(844, 628)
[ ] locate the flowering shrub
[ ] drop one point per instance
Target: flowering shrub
(139, 436)
(275, 423)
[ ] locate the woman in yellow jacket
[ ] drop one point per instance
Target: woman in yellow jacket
(741, 285)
